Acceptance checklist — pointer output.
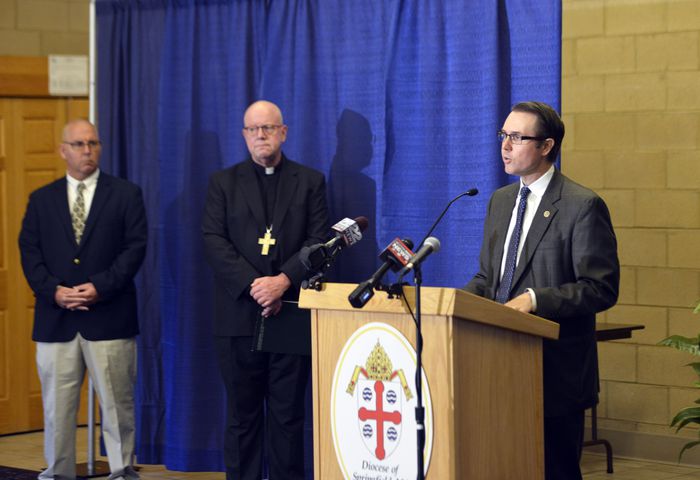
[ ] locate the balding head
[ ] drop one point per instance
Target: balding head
(77, 123)
(264, 106)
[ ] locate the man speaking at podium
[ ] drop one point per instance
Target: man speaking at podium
(258, 215)
(549, 249)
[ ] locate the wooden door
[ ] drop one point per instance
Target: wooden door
(30, 132)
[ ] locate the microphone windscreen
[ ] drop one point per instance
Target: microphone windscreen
(362, 222)
(434, 243)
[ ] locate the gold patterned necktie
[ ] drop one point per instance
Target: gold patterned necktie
(77, 214)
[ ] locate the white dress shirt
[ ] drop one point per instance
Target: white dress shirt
(89, 193)
(537, 189)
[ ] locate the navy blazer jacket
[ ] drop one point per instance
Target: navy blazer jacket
(569, 259)
(110, 253)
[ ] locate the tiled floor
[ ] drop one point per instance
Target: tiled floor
(593, 467)
(25, 451)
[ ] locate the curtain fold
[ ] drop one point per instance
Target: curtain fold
(397, 102)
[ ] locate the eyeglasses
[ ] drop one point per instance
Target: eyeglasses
(80, 145)
(267, 129)
(516, 138)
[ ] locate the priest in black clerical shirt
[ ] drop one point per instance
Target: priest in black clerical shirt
(258, 215)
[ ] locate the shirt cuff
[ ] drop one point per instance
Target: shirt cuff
(533, 298)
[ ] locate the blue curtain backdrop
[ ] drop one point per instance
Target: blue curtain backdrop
(397, 102)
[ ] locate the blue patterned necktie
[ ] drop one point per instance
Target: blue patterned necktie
(504, 287)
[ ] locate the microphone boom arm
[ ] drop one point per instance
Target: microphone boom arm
(468, 193)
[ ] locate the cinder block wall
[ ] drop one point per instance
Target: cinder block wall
(631, 103)
(44, 27)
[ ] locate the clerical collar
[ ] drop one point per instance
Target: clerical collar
(267, 171)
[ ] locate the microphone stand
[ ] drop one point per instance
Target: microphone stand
(418, 279)
(420, 410)
(316, 281)
(395, 290)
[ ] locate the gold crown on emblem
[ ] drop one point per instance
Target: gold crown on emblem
(378, 366)
(379, 369)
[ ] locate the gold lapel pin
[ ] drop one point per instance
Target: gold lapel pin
(546, 214)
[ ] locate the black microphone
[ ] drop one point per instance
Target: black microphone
(319, 256)
(469, 193)
(430, 245)
(396, 255)
(349, 231)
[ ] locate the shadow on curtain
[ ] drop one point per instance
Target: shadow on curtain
(397, 102)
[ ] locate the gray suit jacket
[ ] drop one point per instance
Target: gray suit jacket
(569, 259)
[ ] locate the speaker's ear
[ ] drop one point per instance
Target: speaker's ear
(546, 145)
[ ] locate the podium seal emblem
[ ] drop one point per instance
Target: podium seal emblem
(373, 406)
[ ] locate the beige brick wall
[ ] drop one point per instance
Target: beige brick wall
(631, 101)
(44, 27)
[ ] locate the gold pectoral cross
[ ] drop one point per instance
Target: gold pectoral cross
(266, 241)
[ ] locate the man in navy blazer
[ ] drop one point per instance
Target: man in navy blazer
(82, 241)
(564, 267)
(259, 213)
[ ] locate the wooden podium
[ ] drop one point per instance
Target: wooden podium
(483, 362)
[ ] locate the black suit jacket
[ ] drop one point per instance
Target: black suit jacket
(234, 221)
(569, 259)
(110, 253)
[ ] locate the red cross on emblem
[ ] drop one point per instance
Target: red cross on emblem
(379, 416)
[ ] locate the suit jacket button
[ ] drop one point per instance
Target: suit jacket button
(76, 261)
